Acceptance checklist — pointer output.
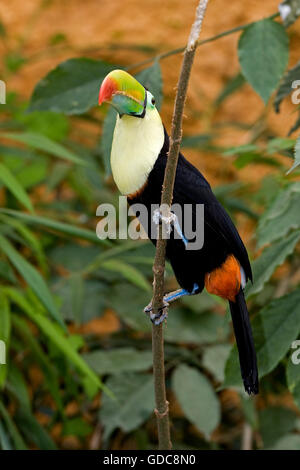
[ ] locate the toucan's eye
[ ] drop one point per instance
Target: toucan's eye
(153, 101)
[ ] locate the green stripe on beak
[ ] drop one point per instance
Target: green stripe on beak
(124, 93)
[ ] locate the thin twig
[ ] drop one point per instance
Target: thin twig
(162, 409)
(247, 437)
(179, 50)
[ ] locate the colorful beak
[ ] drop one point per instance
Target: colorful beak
(123, 92)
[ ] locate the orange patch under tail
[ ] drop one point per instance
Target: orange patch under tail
(225, 281)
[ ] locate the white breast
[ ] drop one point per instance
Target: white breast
(136, 145)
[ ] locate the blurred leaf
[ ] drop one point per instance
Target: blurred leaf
(281, 216)
(6, 272)
(197, 398)
(263, 46)
(272, 257)
(232, 85)
(196, 141)
(151, 79)
(41, 142)
(107, 137)
(5, 443)
(129, 272)
(297, 156)
(286, 85)
(275, 422)
(288, 442)
(49, 371)
(71, 88)
(5, 328)
(17, 385)
(241, 149)
(33, 431)
(9, 180)
(118, 360)
(249, 410)
(33, 278)
(14, 433)
(14, 61)
(61, 227)
(274, 329)
(54, 333)
(214, 359)
(280, 143)
(76, 427)
(95, 298)
(52, 125)
(135, 402)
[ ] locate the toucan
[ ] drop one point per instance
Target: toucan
(139, 154)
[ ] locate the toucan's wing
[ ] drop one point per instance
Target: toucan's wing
(192, 187)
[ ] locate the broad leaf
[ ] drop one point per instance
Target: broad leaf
(272, 257)
(71, 88)
(9, 180)
(135, 402)
(118, 360)
(263, 55)
(197, 398)
(151, 79)
(274, 329)
(129, 272)
(275, 422)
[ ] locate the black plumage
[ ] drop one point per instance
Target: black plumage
(221, 239)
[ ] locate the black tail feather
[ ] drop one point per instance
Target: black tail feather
(244, 340)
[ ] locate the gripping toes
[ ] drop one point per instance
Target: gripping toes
(159, 317)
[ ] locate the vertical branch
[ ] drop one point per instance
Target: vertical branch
(162, 408)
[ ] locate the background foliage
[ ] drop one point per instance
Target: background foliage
(71, 305)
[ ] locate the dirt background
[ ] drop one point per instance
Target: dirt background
(92, 27)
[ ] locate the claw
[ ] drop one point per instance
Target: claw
(159, 317)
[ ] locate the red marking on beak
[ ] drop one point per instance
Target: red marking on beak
(107, 89)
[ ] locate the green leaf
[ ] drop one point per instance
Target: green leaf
(278, 226)
(55, 335)
(118, 360)
(76, 427)
(263, 55)
(275, 422)
(5, 328)
(288, 442)
(52, 125)
(151, 79)
(214, 359)
(17, 385)
(293, 373)
(16, 437)
(135, 402)
(286, 85)
(129, 272)
(107, 137)
(296, 156)
(274, 329)
(41, 142)
(5, 442)
(197, 398)
(272, 257)
(61, 227)
(9, 180)
(71, 88)
(33, 278)
(33, 431)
